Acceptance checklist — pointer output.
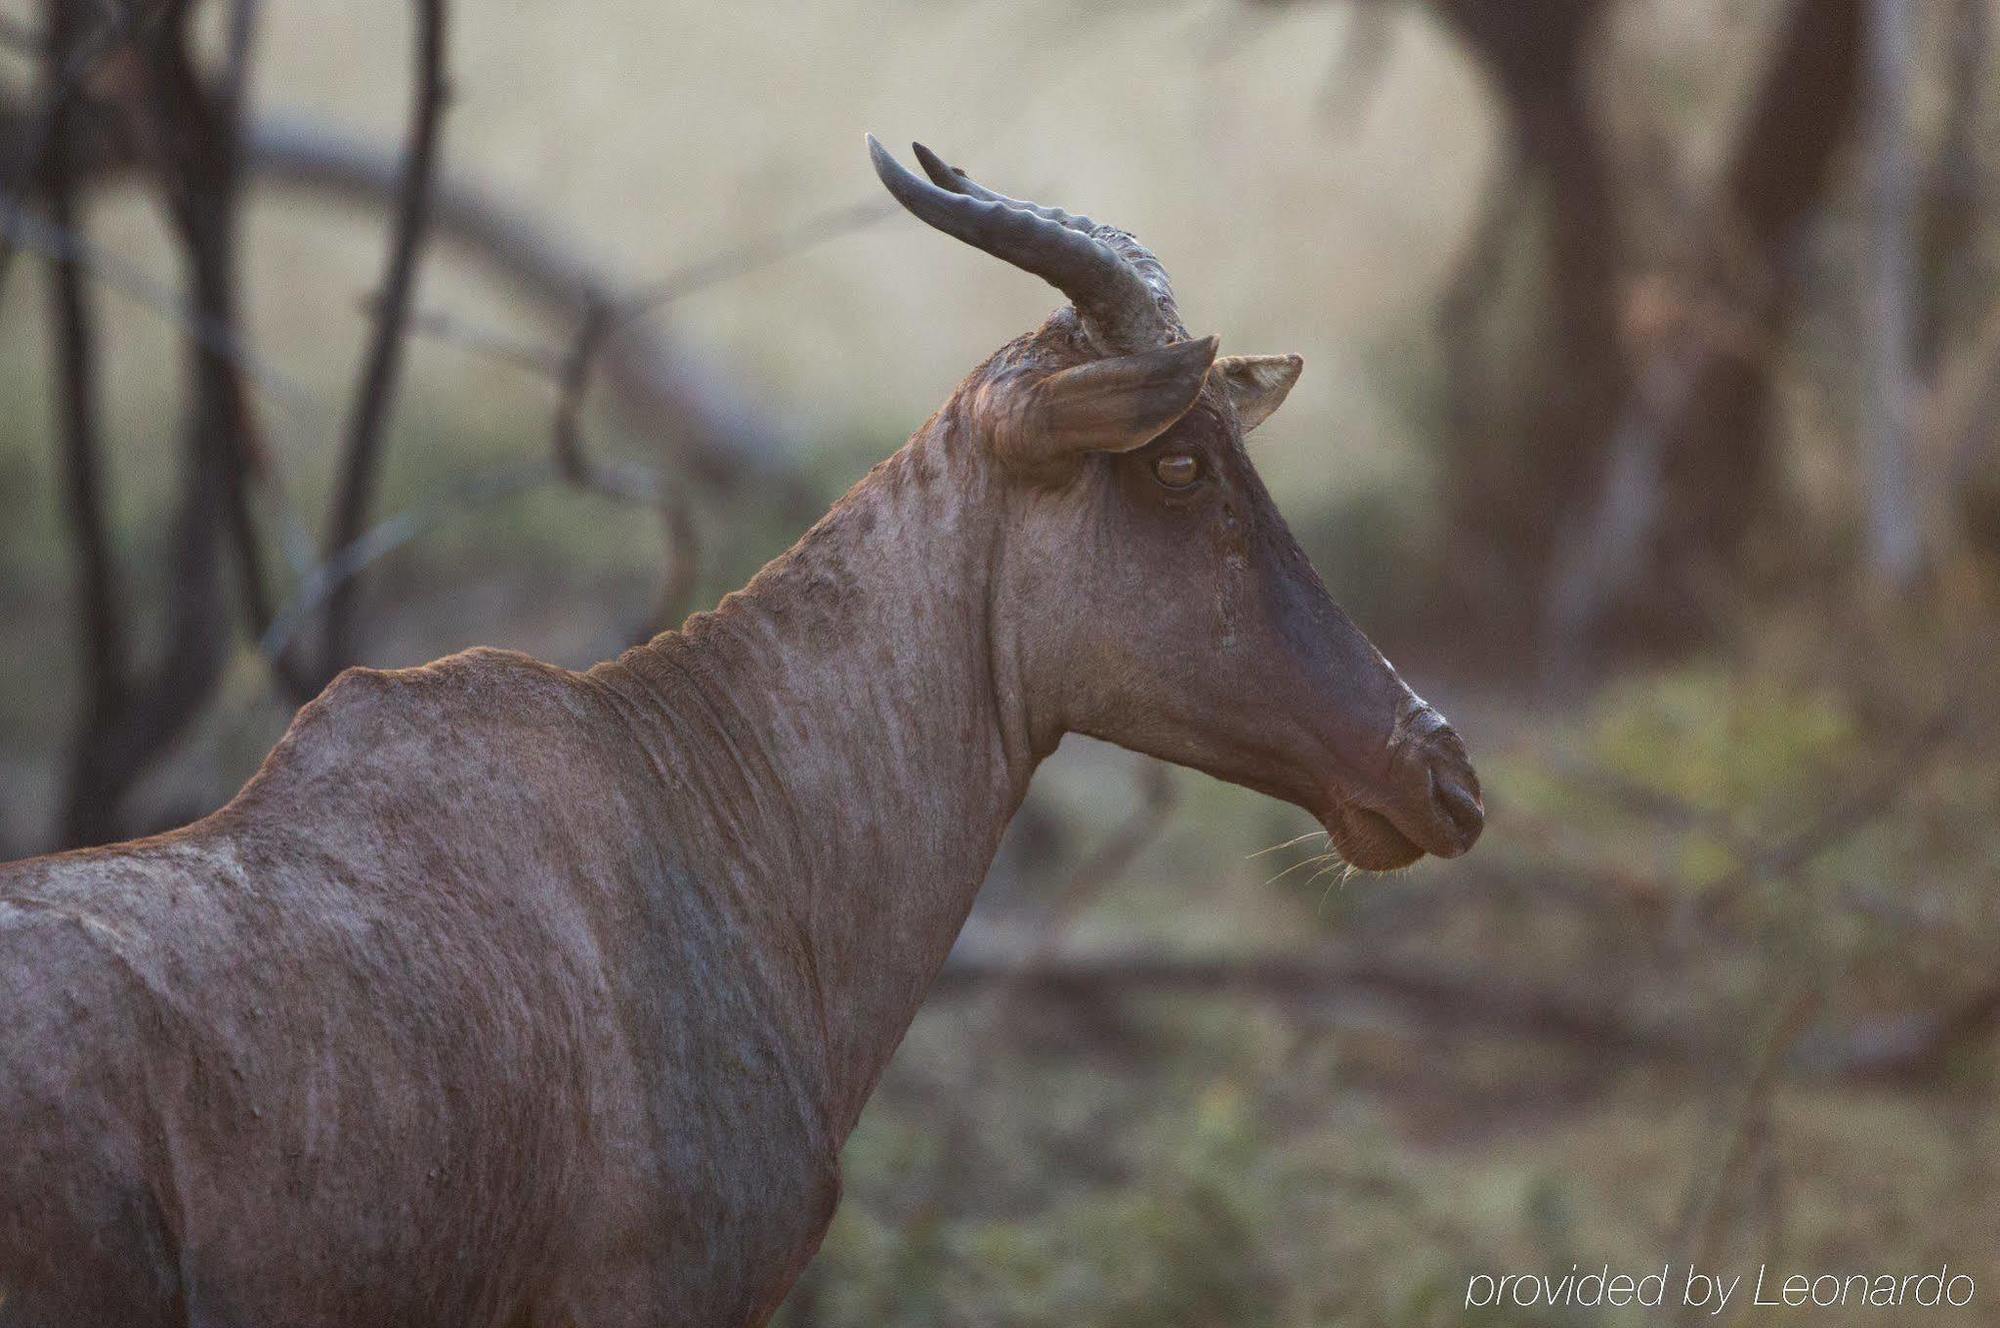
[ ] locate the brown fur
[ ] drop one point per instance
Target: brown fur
(508, 995)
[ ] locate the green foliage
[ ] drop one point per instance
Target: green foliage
(1181, 1244)
(1742, 746)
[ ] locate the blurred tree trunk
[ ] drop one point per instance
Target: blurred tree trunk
(1888, 326)
(1529, 444)
(1721, 463)
(1520, 455)
(1954, 278)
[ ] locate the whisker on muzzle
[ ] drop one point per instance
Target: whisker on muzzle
(1288, 843)
(1340, 870)
(1314, 860)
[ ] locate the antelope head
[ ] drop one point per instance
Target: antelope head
(1157, 599)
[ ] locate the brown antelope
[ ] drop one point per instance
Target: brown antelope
(506, 995)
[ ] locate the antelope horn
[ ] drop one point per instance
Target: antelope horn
(953, 178)
(1113, 300)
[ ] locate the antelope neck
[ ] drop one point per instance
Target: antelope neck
(863, 737)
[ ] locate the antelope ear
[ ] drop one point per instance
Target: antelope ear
(1258, 384)
(1109, 405)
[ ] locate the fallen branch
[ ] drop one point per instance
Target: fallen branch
(1914, 1045)
(1920, 1045)
(1481, 1003)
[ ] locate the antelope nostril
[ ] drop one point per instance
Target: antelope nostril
(1460, 805)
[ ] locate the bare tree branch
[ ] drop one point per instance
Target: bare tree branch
(238, 44)
(683, 549)
(569, 464)
(620, 484)
(390, 534)
(97, 593)
(198, 126)
(515, 352)
(375, 393)
(748, 257)
(574, 384)
(1842, 817)
(74, 55)
(1745, 1132)
(572, 371)
(115, 747)
(719, 436)
(106, 268)
(598, 325)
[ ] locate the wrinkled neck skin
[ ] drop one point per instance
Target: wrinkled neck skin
(866, 737)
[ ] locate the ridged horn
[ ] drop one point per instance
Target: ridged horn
(1112, 298)
(955, 179)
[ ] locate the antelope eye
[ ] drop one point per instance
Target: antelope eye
(1177, 470)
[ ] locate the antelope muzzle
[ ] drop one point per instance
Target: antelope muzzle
(1429, 802)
